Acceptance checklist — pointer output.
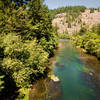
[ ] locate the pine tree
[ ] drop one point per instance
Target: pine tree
(40, 16)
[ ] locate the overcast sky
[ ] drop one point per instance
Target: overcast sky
(59, 3)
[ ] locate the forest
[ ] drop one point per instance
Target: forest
(27, 41)
(71, 10)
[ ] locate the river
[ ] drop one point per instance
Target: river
(75, 75)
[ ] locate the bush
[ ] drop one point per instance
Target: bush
(89, 41)
(96, 29)
(83, 30)
(22, 60)
(92, 10)
(64, 35)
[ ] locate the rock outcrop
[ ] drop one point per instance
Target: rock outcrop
(60, 22)
(85, 18)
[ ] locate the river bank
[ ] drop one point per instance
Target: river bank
(94, 63)
(44, 88)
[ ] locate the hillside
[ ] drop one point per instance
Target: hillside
(85, 18)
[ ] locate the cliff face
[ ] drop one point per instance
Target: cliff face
(60, 22)
(85, 18)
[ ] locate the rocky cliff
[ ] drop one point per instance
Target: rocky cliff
(85, 18)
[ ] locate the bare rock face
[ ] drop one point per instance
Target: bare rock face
(60, 22)
(90, 18)
(85, 18)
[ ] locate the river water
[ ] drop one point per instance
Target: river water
(75, 76)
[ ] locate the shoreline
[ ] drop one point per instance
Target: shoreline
(93, 63)
(47, 79)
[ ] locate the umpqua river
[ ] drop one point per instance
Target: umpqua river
(79, 75)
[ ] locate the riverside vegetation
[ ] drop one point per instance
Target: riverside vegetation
(27, 41)
(88, 40)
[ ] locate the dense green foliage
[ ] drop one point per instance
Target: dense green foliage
(83, 30)
(72, 12)
(92, 10)
(96, 29)
(68, 9)
(90, 41)
(27, 40)
(64, 35)
(22, 60)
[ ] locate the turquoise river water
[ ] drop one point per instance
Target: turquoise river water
(75, 77)
(76, 83)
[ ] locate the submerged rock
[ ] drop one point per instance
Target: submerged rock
(91, 73)
(54, 78)
(59, 65)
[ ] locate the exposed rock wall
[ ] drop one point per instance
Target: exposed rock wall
(60, 22)
(85, 18)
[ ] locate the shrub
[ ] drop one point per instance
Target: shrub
(22, 60)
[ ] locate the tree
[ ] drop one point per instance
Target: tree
(22, 61)
(96, 29)
(40, 16)
(16, 20)
(92, 10)
(83, 30)
(27, 40)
